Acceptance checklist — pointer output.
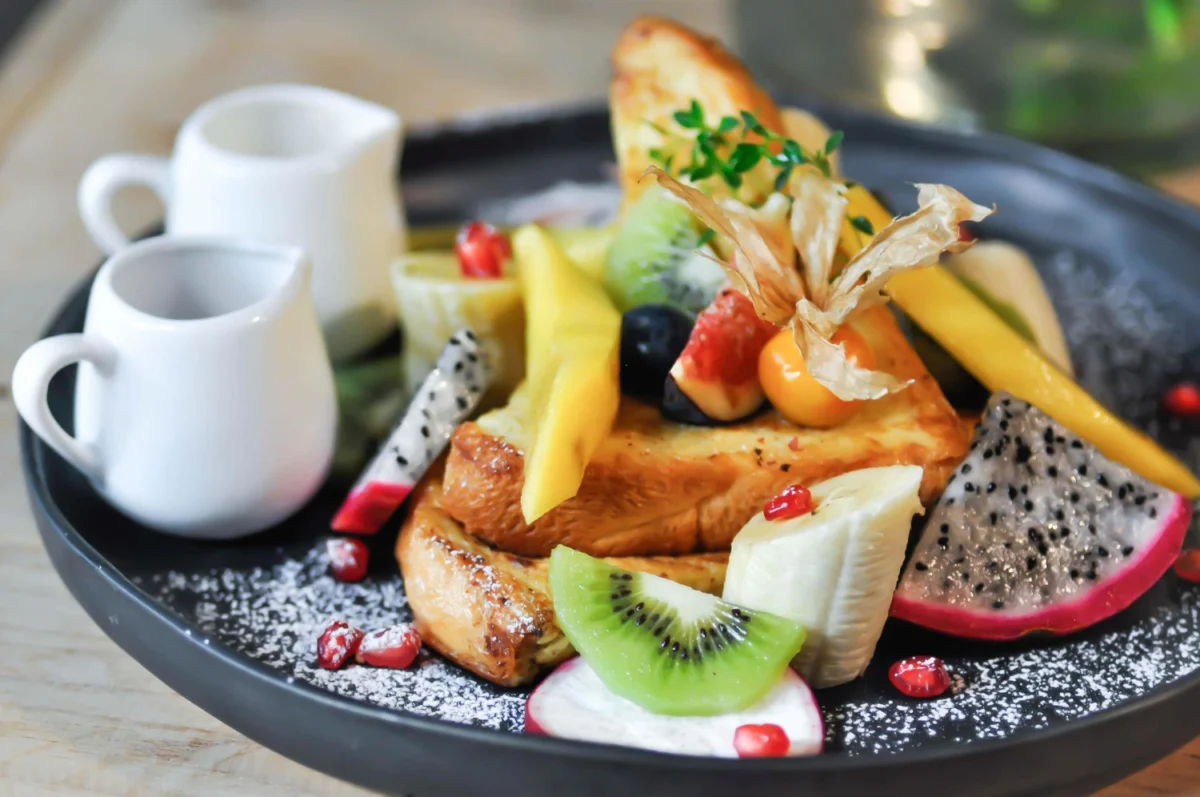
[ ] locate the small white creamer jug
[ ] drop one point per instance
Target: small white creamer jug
(281, 164)
(204, 404)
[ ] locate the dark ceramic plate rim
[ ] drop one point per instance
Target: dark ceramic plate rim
(33, 453)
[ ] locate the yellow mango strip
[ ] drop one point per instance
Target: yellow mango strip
(573, 336)
(1002, 360)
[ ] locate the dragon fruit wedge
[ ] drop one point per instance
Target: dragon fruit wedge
(1037, 531)
(447, 396)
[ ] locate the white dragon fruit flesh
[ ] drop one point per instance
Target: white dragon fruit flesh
(1037, 531)
(446, 398)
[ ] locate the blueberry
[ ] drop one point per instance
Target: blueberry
(652, 337)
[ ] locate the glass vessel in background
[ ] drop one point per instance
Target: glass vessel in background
(1116, 81)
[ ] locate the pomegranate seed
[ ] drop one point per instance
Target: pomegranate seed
(394, 647)
(481, 250)
(1187, 566)
(1183, 400)
(920, 676)
(761, 741)
(347, 559)
(793, 502)
(965, 234)
(338, 642)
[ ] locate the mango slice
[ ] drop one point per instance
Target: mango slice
(1002, 360)
(572, 339)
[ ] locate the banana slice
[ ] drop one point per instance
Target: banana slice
(435, 301)
(834, 569)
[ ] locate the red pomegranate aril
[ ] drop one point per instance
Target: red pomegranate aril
(793, 502)
(482, 251)
(1183, 400)
(395, 647)
(337, 643)
(965, 235)
(1187, 566)
(761, 741)
(347, 559)
(920, 676)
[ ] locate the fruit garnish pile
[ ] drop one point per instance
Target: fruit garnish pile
(744, 273)
(794, 285)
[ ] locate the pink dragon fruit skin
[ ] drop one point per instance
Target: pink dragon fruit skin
(446, 398)
(1037, 531)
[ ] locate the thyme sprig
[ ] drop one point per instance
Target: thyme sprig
(724, 149)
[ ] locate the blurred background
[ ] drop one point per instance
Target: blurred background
(1117, 81)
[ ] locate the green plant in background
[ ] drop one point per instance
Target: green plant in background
(1089, 74)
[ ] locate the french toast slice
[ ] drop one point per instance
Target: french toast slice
(490, 612)
(658, 488)
(660, 67)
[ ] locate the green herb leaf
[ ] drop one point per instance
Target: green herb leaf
(782, 178)
(744, 157)
(731, 177)
(706, 237)
(751, 123)
(863, 224)
(701, 172)
(684, 119)
(834, 141)
(728, 123)
(826, 169)
(793, 153)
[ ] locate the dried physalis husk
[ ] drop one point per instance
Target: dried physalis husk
(908, 242)
(810, 299)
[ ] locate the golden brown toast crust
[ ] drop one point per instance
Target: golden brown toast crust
(656, 487)
(490, 612)
(659, 67)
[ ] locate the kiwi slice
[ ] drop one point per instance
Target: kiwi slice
(666, 647)
(656, 257)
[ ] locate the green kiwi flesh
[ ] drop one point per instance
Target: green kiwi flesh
(655, 257)
(666, 647)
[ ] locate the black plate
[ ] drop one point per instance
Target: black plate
(231, 626)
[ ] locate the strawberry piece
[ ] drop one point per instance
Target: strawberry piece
(337, 643)
(920, 676)
(395, 647)
(793, 502)
(761, 741)
(1187, 566)
(368, 507)
(481, 250)
(347, 559)
(1183, 400)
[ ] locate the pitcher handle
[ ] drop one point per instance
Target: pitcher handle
(31, 381)
(101, 182)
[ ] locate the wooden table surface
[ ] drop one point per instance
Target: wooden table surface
(78, 716)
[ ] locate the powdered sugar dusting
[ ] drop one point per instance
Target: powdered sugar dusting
(275, 615)
(996, 696)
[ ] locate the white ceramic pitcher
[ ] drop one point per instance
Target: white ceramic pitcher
(204, 404)
(281, 164)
